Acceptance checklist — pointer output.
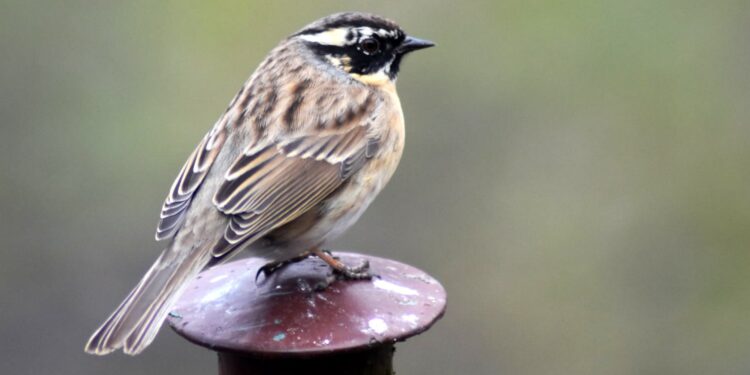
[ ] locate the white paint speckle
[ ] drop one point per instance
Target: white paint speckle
(391, 287)
(378, 325)
(411, 319)
(218, 278)
(218, 293)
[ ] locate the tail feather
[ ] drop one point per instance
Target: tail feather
(135, 323)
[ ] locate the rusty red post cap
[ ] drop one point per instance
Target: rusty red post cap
(290, 314)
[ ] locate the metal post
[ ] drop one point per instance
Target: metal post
(378, 361)
(300, 320)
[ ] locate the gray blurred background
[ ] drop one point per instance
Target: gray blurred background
(576, 174)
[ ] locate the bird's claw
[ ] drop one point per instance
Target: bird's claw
(268, 269)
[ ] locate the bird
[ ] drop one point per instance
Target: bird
(300, 152)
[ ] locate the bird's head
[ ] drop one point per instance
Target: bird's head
(367, 47)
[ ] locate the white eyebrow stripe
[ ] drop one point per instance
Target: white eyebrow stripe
(365, 31)
(338, 36)
(332, 37)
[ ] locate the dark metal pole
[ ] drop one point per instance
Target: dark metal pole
(376, 361)
(302, 321)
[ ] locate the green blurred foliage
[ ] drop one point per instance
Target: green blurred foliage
(576, 174)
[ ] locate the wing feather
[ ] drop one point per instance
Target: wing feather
(187, 182)
(269, 186)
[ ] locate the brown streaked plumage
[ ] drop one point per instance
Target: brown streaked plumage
(301, 151)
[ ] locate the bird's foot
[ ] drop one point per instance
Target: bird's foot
(269, 269)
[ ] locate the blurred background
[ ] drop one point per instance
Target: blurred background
(576, 174)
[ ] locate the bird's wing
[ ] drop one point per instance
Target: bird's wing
(271, 184)
(187, 182)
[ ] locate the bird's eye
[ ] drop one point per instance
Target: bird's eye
(369, 46)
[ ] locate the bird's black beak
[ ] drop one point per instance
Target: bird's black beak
(411, 44)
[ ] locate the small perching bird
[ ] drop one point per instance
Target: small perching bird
(302, 150)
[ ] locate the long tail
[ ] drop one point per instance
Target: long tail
(134, 324)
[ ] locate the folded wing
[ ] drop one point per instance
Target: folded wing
(271, 185)
(187, 182)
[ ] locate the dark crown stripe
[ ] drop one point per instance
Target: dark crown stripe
(348, 20)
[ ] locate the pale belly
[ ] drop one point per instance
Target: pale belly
(351, 202)
(346, 206)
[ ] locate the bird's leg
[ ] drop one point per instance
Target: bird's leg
(360, 272)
